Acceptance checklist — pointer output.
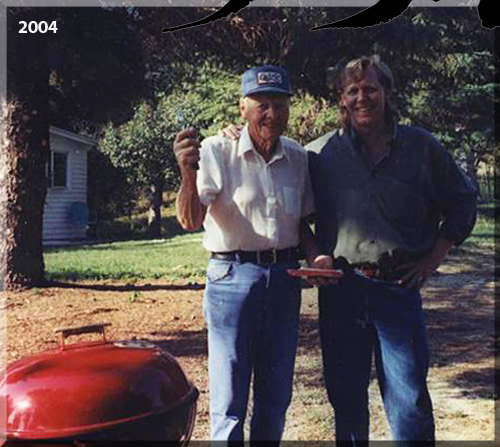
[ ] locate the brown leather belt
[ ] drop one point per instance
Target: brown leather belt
(266, 257)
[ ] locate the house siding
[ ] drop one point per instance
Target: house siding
(57, 225)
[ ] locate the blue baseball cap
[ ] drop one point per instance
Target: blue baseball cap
(265, 79)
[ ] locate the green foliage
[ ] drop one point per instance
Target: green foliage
(110, 194)
(310, 117)
(443, 66)
(217, 92)
(206, 96)
(450, 89)
(142, 147)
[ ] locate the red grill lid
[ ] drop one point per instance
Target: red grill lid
(86, 387)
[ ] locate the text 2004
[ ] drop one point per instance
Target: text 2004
(37, 27)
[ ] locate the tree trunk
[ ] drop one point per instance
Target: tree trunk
(24, 153)
(154, 219)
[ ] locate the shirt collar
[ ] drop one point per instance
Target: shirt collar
(358, 142)
(245, 144)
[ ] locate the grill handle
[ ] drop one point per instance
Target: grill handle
(77, 330)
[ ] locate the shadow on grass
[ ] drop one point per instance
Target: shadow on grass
(459, 309)
(185, 343)
(188, 343)
(477, 384)
(308, 332)
(488, 210)
(137, 229)
(458, 335)
(136, 245)
(483, 235)
(471, 258)
(116, 231)
(125, 287)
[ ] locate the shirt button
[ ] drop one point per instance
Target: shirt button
(271, 206)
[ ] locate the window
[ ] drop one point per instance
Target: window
(57, 170)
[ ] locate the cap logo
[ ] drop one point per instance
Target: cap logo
(269, 77)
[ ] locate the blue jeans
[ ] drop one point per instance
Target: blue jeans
(252, 315)
(359, 317)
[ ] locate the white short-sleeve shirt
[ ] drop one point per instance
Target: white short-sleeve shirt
(252, 204)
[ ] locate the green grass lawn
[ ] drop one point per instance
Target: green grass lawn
(181, 257)
(178, 258)
(483, 234)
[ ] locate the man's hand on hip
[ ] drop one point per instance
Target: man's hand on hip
(419, 271)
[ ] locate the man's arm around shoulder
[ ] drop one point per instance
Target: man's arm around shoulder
(319, 143)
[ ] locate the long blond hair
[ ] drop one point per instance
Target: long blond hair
(354, 71)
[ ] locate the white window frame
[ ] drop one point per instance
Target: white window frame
(50, 171)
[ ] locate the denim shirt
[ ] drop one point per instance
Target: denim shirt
(396, 208)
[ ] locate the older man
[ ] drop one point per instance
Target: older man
(251, 196)
(390, 201)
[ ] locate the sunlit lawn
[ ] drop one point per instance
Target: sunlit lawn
(181, 257)
(484, 231)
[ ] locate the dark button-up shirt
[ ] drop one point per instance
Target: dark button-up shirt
(397, 207)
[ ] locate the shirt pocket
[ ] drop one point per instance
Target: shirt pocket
(291, 200)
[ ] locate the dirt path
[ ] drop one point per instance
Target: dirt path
(460, 315)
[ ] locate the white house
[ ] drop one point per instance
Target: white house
(65, 215)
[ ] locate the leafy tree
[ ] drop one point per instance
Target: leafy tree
(454, 97)
(45, 86)
(142, 147)
(110, 193)
(214, 96)
(310, 117)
